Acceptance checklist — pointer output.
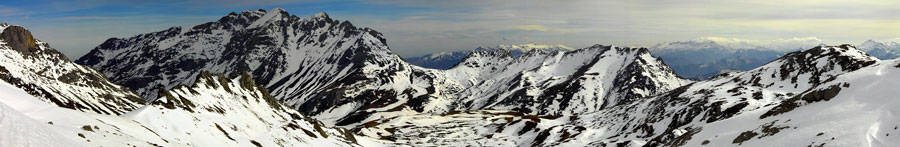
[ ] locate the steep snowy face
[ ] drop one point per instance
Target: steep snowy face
(45, 73)
(666, 118)
(575, 82)
(293, 57)
(233, 111)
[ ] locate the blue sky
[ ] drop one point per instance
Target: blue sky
(415, 27)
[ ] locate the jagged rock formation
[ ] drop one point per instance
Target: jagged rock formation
(48, 75)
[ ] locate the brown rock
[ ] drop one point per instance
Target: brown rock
(19, 39)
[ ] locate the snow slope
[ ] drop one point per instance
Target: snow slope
(854, 109)
(21, 130)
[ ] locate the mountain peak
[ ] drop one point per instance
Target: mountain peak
(320, 15)
(276, 10)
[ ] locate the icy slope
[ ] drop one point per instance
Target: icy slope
(45, 73)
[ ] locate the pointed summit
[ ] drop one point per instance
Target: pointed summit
(277, 10)
(320, 16)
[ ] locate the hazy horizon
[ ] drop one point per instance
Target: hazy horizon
(414, 28)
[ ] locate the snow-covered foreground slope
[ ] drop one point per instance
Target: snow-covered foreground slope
(21, 130)
(217, 111)
(48, 75)
(854, 109)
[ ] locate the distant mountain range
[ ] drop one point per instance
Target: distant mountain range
(700, 58)
(446, 60)
(882, 50)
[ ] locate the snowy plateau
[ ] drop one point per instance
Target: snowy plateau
(269, 78)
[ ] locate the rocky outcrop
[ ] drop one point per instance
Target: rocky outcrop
(19, 39)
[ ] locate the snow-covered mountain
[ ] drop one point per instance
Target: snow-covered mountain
(323, 67)
(217, 111)
(343, 75)
(48, 75)
(446, 60)
(687, 110)
(555, 82)
(882, 50)
(824, 96)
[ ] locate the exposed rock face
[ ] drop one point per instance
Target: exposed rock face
(19, 39)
